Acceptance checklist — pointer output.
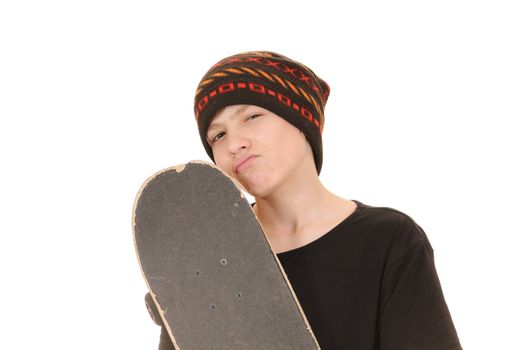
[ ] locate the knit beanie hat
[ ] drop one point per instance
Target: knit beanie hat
(268, 80)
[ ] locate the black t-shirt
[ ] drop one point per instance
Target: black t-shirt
(370, 283)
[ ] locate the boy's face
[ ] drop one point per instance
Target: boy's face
(261, 150)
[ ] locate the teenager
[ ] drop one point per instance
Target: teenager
(364, 275)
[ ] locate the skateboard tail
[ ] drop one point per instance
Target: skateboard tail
(220, 286)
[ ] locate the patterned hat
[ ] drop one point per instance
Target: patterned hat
(269, 80)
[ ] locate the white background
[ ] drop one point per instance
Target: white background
(426, 115)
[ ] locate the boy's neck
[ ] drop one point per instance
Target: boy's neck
(300, 213)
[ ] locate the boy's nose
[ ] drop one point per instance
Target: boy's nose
(237, 142)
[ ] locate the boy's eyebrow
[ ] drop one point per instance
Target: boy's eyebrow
(238, 111)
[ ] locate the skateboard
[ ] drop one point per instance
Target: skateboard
(209, 267)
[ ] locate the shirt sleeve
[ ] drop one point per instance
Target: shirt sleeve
(164, 340)
(414, 314)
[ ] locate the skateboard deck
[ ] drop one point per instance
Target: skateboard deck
(209, 267)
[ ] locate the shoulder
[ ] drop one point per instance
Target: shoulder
(397, 231)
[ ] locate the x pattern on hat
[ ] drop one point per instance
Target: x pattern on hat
(271, 70)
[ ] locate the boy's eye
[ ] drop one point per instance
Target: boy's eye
(217, 137)
(252, 116)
